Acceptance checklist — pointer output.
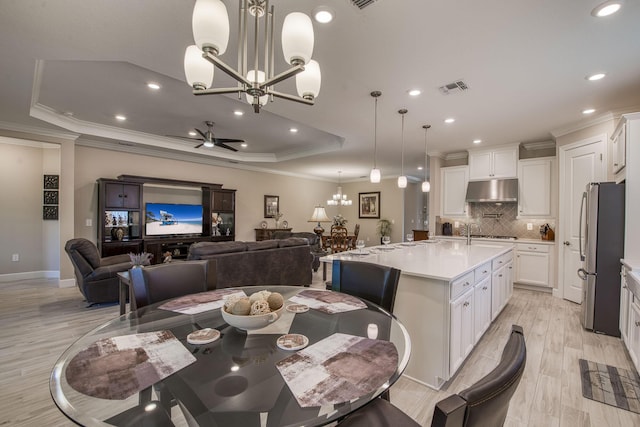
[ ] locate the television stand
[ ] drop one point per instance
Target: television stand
(177, 246)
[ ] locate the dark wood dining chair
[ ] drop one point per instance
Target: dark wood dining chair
(165, 281)
(483, 404)
(339, 239)
(373, 282)
(353, 239)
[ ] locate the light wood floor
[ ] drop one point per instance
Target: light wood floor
(38, 321)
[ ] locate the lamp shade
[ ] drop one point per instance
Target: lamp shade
(308, 81)
(402, 181)
(210, 25)
(297, 38)
(261, 79)
(197, 70)
(375, 175)
(319, 215)
(426, 186)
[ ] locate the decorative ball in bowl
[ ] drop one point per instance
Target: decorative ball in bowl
(254, 312)
(250, 322)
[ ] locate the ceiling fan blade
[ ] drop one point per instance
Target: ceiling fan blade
(226, 146)
(227, 140)
(185, 137)
(202, 134)
(199, 145)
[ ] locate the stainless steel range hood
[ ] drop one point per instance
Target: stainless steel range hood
(493, 190)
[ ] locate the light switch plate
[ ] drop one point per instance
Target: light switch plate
(529, 226)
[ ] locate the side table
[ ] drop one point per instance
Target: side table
(125, 290)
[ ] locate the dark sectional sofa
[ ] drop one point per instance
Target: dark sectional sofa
(268, 262)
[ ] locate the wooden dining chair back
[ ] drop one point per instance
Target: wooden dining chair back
(353, 239)
(483, 404)
(339, 239)
(165, 281)
(373, 282)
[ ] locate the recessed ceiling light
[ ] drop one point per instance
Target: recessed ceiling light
(238, 113)
(121, 117)
(594, 77)
(477, 141)
(192, 133)
(419, 168)
(153, 85)
(323, 14)
(589, 111)
(607, 8)
(415, 92)
(449, 120)
(293, 130)
(244, 145)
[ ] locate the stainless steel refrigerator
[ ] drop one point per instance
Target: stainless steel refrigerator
(601, 241)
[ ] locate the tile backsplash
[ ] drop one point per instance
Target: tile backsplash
(505, 223)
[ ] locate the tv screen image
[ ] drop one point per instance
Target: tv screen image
(163, 219)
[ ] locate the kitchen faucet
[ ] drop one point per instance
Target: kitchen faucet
(468, 227)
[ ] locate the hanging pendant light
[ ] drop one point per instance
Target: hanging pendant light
(375, 172)
(402, 179)
(426, 185)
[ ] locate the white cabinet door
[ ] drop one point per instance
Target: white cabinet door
(482, 307)
(505, 163)
(532, 268)
(497, 292)
(508, 281)
(625, 302)
(619, 149)
(454, 190)
(496, 163)
(534, 187)
(462, 336)
(634, 334)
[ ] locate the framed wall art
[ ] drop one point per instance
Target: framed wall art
(51, 182)
(271, 206)
(50, 197)
(50, 212)
(369, 205)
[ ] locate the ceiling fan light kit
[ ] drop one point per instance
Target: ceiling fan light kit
(209, 139)
(210, 24)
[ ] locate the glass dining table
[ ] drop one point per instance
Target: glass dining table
(140, 368)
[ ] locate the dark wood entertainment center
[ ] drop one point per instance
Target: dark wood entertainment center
(121, 215)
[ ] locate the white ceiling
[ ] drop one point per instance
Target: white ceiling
(525, 63)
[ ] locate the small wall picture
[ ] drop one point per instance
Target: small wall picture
(369, 206)
(50, 197)
(271, 206)
(50, 212)
(51, 182)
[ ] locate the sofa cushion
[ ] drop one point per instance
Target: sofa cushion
(202, 250)
(292, 241)
(264, 244)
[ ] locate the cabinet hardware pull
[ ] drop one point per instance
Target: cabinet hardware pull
(615, 164)
(637, 323)
(484, 288)
(466, 304)
(499, 275)
(466, 284)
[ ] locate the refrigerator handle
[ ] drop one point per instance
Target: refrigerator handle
(582, 203)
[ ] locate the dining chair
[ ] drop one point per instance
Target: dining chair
(354, 238)
(484, 404)
(373, 282)
(165, 281)
(339, 239)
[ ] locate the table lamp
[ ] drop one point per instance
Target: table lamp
(319, 215)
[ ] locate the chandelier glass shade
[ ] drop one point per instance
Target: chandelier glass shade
(210, 25)
(402, 179)
(426, 185)
(375, 174)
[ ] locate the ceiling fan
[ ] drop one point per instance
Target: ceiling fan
(209, 139)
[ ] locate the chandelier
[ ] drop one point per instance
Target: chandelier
(210, 26)
(339, 198)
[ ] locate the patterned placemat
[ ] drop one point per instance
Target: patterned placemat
(607, 384)
(338, 369)
(203, 301)
(118, 367)
(328, 302)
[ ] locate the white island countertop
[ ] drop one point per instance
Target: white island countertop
(435, 259)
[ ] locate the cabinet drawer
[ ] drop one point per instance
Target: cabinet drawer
(461, 285)
(502, 260)
(482, 272)
(532, 247)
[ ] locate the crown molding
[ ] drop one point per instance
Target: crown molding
(541, 145)
(35, 132)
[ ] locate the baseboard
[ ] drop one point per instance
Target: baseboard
(544, 289)
(29, 275)
(67, 283)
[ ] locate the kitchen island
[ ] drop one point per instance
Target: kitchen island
(448, 295)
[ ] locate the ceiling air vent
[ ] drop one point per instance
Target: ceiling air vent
(361, 4)
(451, 88)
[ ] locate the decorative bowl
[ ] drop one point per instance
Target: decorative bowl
(248, 322)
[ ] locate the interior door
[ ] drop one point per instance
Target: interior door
(580, 163)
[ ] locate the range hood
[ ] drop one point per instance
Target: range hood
(493, 190)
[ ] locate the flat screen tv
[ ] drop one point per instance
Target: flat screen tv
(167, 219)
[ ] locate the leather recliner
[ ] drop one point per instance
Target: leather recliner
(96, 277)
